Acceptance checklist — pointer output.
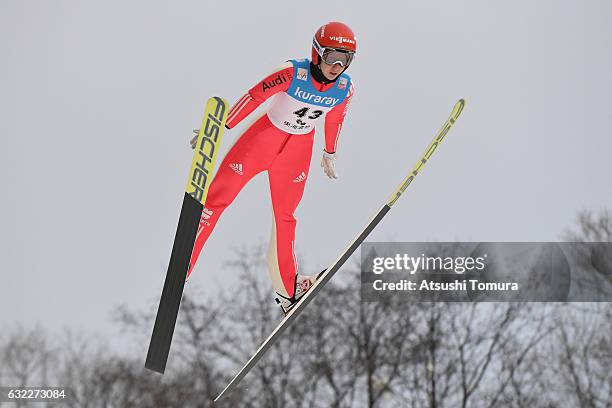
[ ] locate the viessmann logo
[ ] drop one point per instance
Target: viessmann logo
(342, 40)
(206, 150)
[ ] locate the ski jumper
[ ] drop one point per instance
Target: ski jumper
(280, 141)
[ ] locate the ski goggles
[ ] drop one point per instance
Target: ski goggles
(333, 56)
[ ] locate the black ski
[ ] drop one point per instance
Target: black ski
(200, 176)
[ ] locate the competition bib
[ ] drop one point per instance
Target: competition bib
(297, 110)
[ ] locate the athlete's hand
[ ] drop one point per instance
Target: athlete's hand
(327, 162)
(195, 138)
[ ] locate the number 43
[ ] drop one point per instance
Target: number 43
(302, 112)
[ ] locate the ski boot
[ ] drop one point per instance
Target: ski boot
(302, 285)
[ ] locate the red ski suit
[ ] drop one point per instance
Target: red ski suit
(285, 155)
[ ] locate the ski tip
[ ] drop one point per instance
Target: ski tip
(218, 99)
(457, 109)
(219, 396)
(225, 391)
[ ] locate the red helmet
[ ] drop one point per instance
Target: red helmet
(334, 35)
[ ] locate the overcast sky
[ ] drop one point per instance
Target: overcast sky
(98, 100)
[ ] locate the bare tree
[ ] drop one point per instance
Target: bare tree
(475, 355)
(582, 353)
(385, 339)
(594, 258)
(192, 376)
(341, 352)
(591, 228)
(27, 359)
(278, 379)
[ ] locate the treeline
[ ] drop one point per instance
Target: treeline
(340, 353)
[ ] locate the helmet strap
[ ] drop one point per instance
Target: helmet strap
(318, 75)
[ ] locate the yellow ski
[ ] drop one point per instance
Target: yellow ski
(200, 176)
(331, 270)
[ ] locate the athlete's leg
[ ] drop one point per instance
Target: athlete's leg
(251, 153)
(287, 174)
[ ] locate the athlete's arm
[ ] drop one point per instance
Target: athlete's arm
(333, 122)
(333, 125)
(277, 81)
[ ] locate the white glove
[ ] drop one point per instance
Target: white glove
(327, 162)
(195, 138)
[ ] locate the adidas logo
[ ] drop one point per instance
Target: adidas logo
(206, 213)
(300, 178)
(237, 167)
(204, 217)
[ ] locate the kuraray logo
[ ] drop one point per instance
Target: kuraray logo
(302, 74)
(307, 96)
(342, 40)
